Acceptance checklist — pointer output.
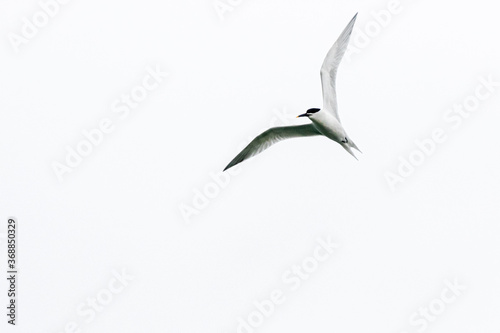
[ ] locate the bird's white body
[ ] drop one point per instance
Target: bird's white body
(328, 125)
(325, 122)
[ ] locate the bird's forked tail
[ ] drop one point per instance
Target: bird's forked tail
(353, 145)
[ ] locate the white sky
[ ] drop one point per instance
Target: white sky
(120, 208)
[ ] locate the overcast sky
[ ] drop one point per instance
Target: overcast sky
(117, 118)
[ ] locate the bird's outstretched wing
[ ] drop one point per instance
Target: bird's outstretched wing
(269, 138)
(330, 66)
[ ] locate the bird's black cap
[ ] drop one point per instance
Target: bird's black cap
(313, 110)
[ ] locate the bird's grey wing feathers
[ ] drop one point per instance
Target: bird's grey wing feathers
(330, 66)
(269, 138)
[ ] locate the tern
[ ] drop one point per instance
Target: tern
(325, 121)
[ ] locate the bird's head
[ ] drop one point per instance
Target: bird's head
(309, 113)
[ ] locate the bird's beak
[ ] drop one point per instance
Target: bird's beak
(302, 115)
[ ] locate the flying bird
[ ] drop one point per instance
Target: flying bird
(325, 121)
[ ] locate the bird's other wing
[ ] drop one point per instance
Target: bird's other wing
(269, 138)
(330, 66)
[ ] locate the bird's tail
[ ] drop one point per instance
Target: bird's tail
(349, 150)
(353, 145)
